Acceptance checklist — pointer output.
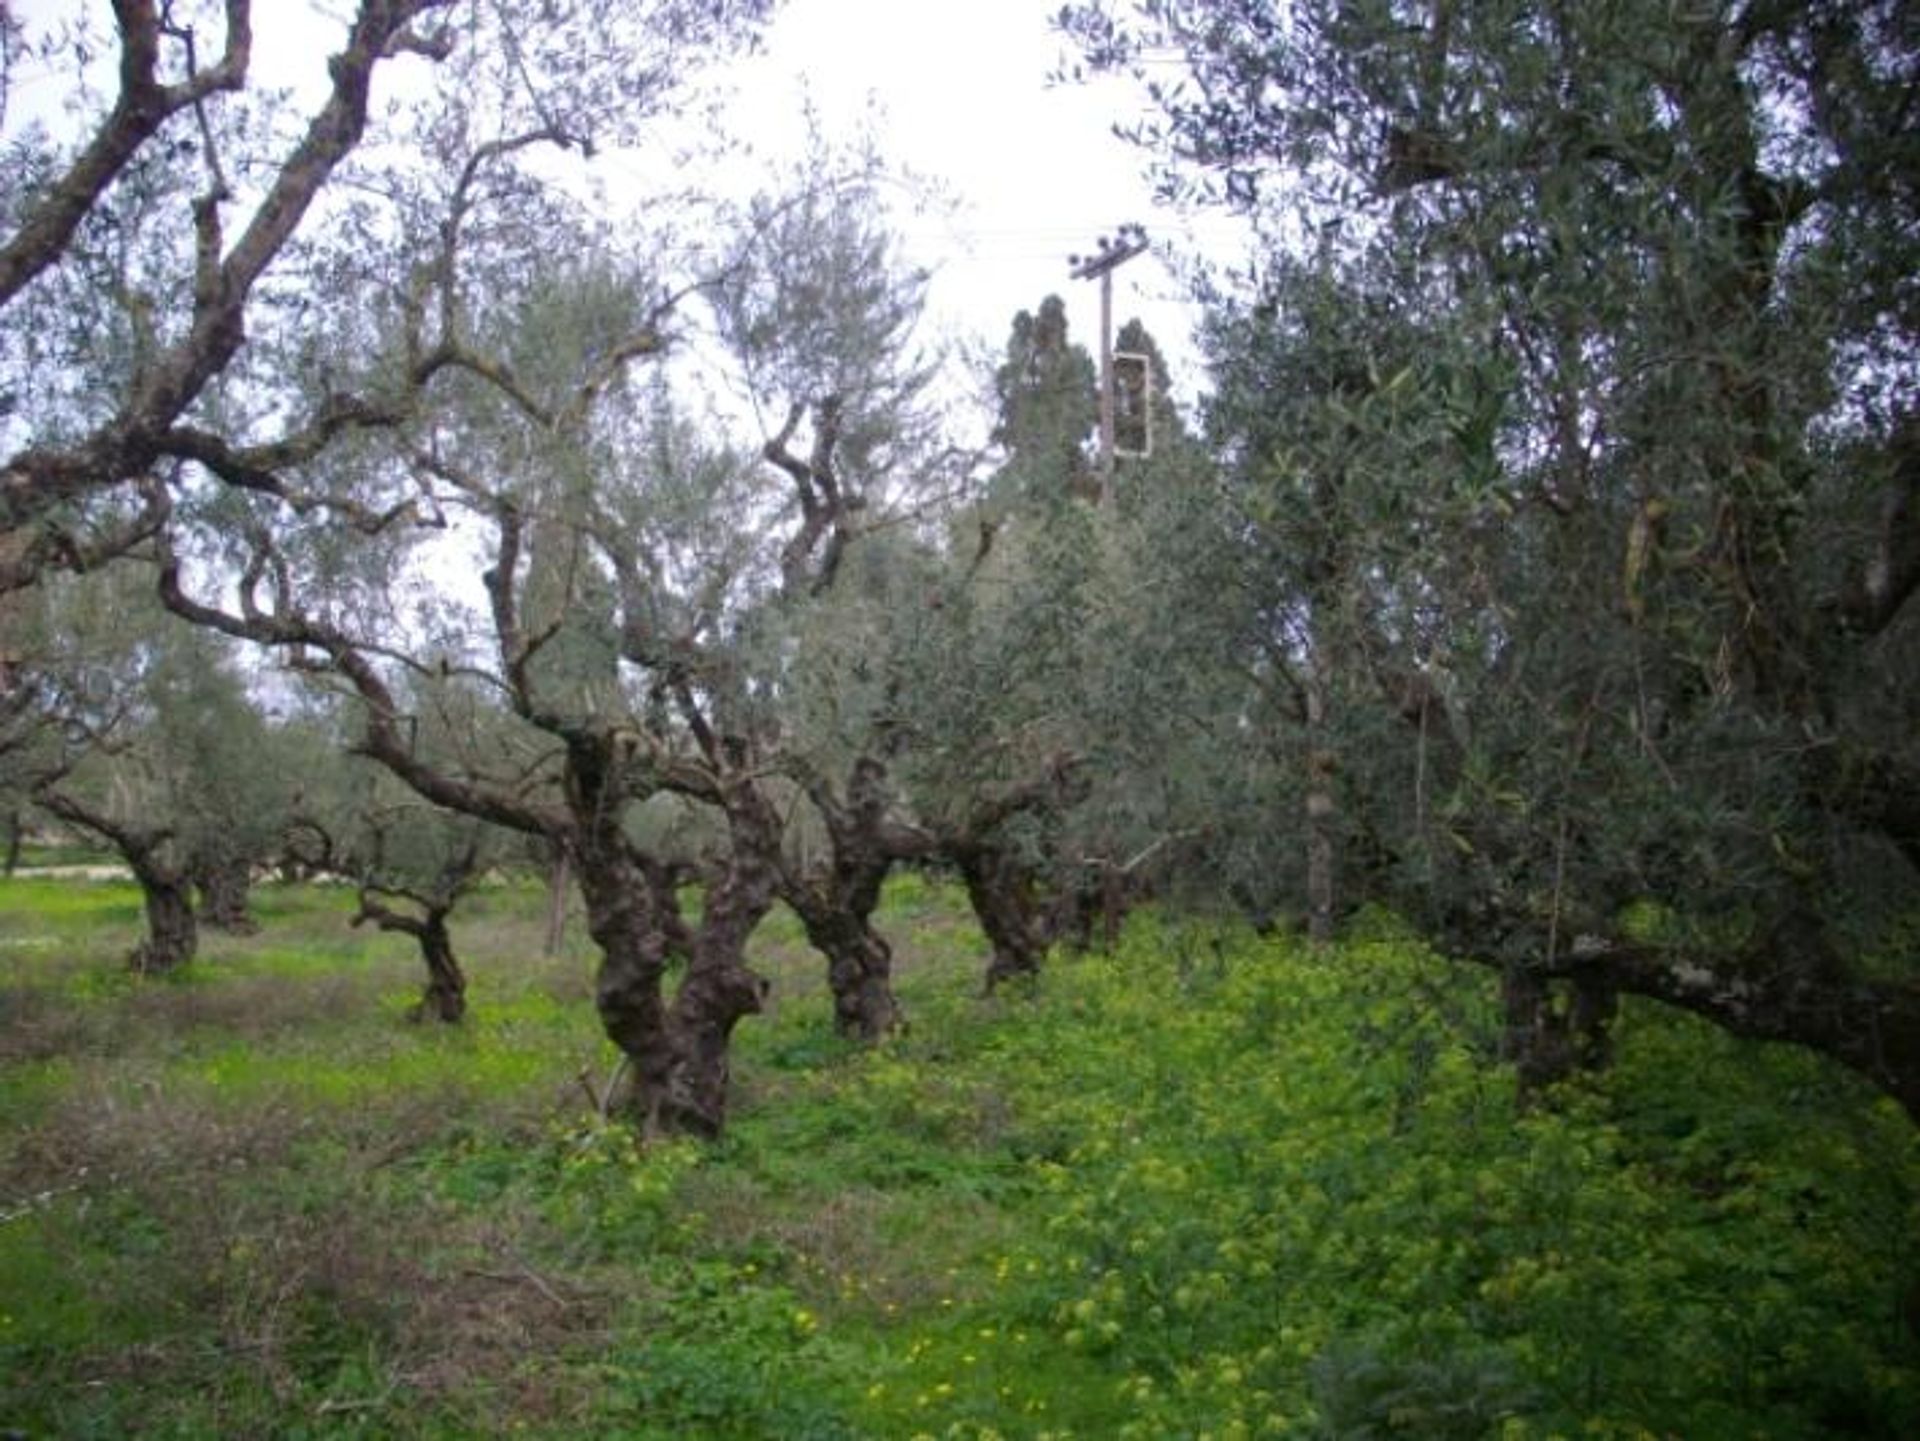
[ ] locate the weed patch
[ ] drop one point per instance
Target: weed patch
(1206, 1185)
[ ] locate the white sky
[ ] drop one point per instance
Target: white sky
(1037, 173)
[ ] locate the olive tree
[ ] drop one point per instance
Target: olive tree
(1593, 336)
(151, 742)
(822, 315)
(175, 256)
(411, 864)
(636, 502)
(639, 579)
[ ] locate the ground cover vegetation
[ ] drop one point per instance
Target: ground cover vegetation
(927, 931)
(253, 1199)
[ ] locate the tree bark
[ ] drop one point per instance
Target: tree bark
(445, 996)
(720, 989)
(859, 965)
(1089, 912)
(1789, 987)
(224, 887)
(559, 882)
(1552, 1032)
(676, 1053)
(835, 901)
(633, 964)
(173, 935)
(998, 889)
(860, 971)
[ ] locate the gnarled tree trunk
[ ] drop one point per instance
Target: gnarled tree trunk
(836, 901)
(859, 964)
(1555, 1030)
(224, 889)
(622, 919)
(445, 996)
(675, 1053)
(999, 887)
(720, 989)
(1000, 892)
(860, 971)
(173, 935)
(165, 886)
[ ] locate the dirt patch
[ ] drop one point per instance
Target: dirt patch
(37, 1024)
(255, 1006)
(74, 873)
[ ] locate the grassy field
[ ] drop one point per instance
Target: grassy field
(1207, 1186)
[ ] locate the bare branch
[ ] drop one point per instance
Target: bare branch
(143, 106)
(38, 549)
(824, 510)
(648, 342)
(257, 467)
(39, 479)
(386, 739)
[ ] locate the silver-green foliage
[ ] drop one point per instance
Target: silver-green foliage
(1575, 436)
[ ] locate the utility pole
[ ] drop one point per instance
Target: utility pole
(1114, 251)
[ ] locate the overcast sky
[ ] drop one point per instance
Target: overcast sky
(1034, 167)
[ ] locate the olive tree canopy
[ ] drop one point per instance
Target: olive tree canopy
(1574, 400)
(192, 272)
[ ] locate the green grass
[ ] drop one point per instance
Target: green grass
(38, 910)
(1207, 1186)
(37, 854)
